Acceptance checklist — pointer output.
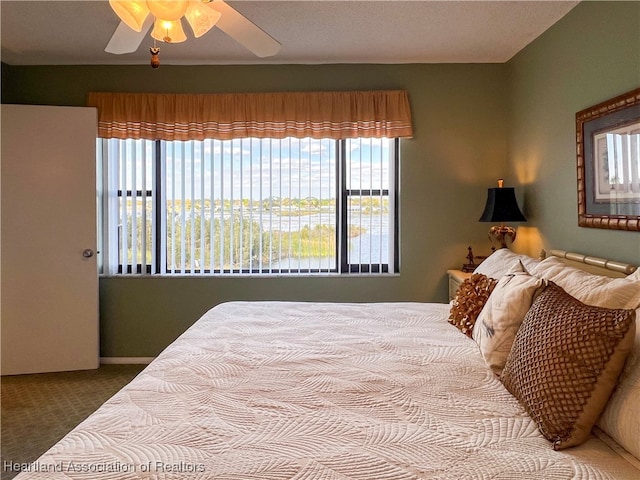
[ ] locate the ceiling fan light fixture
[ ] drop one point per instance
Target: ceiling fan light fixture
(136, 22)
(169, 10)
(168, 31)
(132, 12)
(201, 18)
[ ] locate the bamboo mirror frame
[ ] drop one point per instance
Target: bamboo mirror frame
(608, 160)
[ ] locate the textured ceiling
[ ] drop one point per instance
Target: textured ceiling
(311, 32)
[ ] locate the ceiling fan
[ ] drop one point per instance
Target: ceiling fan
(138, 16)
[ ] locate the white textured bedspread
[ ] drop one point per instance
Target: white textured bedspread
(275, 390)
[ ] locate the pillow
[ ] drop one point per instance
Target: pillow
(592, 289)
(469, 300)
(565, 361)
(503, 313)
(503, 260)
(621, 417)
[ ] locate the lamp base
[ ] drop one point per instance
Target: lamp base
(501, 233)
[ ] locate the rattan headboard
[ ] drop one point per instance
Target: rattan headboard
(596, 265)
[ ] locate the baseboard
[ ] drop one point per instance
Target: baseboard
(126, 360)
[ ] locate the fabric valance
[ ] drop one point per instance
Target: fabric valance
(224, 116)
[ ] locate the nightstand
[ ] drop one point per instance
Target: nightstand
(456, 277)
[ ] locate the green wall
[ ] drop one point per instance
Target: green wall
(473, 124)
(458, 150)
(589, 56)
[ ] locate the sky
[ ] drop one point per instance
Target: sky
(237, 169)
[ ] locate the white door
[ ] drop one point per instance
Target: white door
(49, 292)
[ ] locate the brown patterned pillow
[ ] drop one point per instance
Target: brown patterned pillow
(469, 300)
(565, 362)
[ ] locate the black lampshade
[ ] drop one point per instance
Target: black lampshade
(502, 206)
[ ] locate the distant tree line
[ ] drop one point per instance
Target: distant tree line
(197, 238)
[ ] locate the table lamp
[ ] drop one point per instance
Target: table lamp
(502, 207)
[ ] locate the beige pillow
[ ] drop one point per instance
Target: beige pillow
(503, 260)
(589, 288)
(502, 315)
(470, 297)
(621, 417)
(565, 362)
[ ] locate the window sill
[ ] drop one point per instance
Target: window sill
(255, 275)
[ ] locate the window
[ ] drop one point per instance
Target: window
(232, 183)
(248, 206)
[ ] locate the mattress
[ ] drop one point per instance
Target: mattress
(281, 390)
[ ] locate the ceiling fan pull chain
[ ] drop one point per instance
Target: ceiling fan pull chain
(155, 58)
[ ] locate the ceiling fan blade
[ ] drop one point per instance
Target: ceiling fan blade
(127, 40)
(245, 32)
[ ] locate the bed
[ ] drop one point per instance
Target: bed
(296, 390)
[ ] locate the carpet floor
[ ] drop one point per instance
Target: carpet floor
(38, 410)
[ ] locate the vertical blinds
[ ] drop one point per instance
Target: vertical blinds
(248, 206)
(230, 211)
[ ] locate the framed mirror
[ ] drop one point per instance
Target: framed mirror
(608, 154)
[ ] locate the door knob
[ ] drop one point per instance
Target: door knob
(88, 253)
